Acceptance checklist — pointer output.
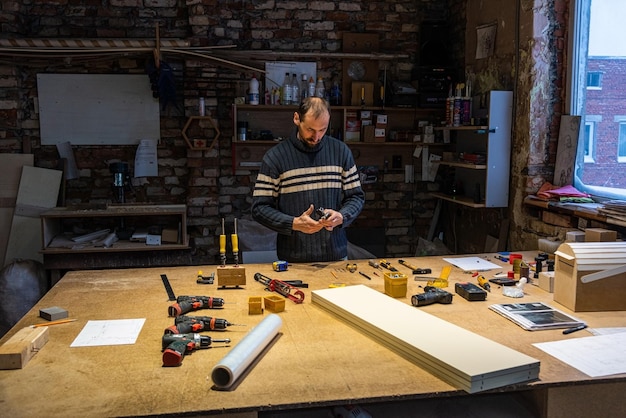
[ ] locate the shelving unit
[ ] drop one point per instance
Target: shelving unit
(57, 223)
(276, 121)
(481, 184)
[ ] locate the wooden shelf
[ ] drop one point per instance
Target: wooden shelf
(464, 165)
(56, 224)
(461, 200)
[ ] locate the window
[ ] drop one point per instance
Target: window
(594, 80)
(589, 138)
(597, 72)
(621, 142)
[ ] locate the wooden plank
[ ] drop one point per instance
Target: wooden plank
(20, 348)
(482, 365)
(566, 150)
(38, 190)
(9, 183)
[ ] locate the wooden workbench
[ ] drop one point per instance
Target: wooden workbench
(318, 361)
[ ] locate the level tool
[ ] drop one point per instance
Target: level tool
(168, 287)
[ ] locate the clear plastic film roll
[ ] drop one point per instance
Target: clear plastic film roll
(230, 368)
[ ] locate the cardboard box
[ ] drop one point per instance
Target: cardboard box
(546, 281)
(352, 128)
(600, 235)
(591, 276)
(169, 235)
(368, 133)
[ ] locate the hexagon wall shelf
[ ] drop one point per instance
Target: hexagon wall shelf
(200, 144)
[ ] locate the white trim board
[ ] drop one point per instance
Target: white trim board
(454, 354)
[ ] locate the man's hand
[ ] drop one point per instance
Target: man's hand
(304, 223)
(332, 219)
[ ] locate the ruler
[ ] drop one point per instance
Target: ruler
(168, 287)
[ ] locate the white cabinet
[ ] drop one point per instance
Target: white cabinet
(477, 158)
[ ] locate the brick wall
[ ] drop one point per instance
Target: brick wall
(204, 180)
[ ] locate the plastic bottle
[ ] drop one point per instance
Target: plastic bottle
(286, 96)
(254, 90)
(201, 108)
(295, 90)
(311, 87)
(335, 94)
(320, 90)
(304, 87)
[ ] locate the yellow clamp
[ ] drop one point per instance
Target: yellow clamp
(351, 267)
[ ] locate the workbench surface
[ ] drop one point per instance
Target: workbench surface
(317, 359)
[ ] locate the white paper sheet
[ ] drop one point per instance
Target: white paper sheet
(110, 332)
(595, 356)
(146, 162)
(472, 263)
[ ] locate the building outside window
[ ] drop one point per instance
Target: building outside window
(597, 93)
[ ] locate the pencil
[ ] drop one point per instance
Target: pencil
(45, 324)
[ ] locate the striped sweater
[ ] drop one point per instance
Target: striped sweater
(293, 176)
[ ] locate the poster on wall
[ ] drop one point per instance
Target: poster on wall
(485, 40)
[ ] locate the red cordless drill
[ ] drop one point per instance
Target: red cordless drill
(185, 324)
(175, 346)
(185, 304)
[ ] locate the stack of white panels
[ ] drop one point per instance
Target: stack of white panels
(460, 357)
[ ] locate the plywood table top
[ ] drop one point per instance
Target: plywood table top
(317, 360)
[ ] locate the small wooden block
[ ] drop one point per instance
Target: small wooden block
(20, 348)
(231, 276)
(274, 303)
(255, 305)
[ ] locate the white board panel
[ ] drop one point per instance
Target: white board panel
(97, 109)
(454, 354)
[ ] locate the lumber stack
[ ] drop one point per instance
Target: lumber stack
(458, 356)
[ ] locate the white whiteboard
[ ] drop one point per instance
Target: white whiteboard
(97, 109)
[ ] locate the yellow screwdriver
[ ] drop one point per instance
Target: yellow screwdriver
(484, 283)
(235, 241)
(223, 245)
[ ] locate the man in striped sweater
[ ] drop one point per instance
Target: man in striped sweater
(308, 172)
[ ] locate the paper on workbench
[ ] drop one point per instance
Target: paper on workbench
(472, 263)
(601, 355)
(110, 332)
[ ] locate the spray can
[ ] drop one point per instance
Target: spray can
(253, 91)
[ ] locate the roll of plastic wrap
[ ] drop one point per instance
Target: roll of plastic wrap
(230, 368)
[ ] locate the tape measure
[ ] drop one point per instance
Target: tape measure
(280, 265)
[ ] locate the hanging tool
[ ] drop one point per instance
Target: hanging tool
(235, 243)
(387, 265)
(483, 282)
(175, 346)
(442, 280)
(280, 287)
(223, 245)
